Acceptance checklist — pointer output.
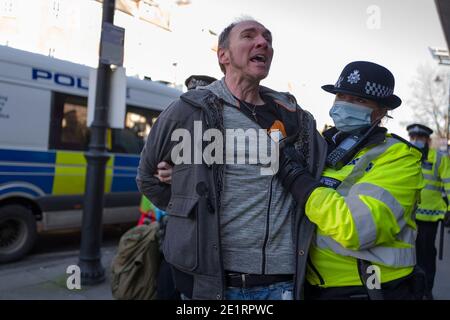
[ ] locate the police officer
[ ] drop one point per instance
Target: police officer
(363, 206)
(432, 207)
(195, 81)
(164, 173)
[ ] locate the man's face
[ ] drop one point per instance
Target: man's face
(249, 53)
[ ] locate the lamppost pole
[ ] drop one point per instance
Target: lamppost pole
(92, 271)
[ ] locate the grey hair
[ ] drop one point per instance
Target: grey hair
(224, 37)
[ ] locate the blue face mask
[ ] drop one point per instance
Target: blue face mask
(349, 117)
(418, 143)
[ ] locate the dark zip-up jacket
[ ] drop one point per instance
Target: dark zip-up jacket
(192, 241)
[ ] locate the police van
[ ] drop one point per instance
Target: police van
(43, 137)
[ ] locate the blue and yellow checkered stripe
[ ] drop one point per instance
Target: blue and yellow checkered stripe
(61, 172)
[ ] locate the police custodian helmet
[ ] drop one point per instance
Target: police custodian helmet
(418, 129)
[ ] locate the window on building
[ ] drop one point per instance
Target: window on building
(57, 15)
(8, 8)
(55, 9)
(51, 52)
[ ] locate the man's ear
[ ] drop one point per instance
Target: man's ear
(223, 56)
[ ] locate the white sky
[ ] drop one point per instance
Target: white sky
(314, 40)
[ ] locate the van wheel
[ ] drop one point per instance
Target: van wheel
(17, 232)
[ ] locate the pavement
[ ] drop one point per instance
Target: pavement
(44, 277)
(441, 290)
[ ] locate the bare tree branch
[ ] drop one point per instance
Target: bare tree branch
(429, 98)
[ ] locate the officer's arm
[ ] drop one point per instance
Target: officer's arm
(156, 150)
(444, 173)
(375, 209)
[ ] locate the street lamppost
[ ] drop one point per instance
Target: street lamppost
(443, 56)
(92, 271)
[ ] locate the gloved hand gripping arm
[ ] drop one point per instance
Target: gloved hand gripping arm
(294, 174)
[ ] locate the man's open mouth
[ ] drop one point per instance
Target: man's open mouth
(259, 58)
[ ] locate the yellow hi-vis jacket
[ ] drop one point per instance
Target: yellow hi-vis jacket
(366, 213)
(436, 171)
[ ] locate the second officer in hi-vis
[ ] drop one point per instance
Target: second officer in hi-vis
(432, 207)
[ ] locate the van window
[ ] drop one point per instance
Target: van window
(73, 126)
(138, 123)
(69, 131)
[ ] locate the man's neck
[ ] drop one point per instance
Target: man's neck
(244, 89)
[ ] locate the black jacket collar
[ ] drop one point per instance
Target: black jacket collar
(334, 137)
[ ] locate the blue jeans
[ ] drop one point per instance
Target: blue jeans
(276, 291)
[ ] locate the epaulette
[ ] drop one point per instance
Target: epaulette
(405, 141)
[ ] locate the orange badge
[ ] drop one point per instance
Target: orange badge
(278, 126)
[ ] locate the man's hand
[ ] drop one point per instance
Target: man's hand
(164, 172)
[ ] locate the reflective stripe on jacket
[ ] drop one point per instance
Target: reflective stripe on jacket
(436, 172)
(368, 214)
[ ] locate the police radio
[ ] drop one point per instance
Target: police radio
(345, 151)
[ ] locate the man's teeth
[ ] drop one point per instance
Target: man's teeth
(259, 58)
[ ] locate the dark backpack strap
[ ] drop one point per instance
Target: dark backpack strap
(374, 294)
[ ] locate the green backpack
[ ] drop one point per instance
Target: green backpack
(135, 267)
